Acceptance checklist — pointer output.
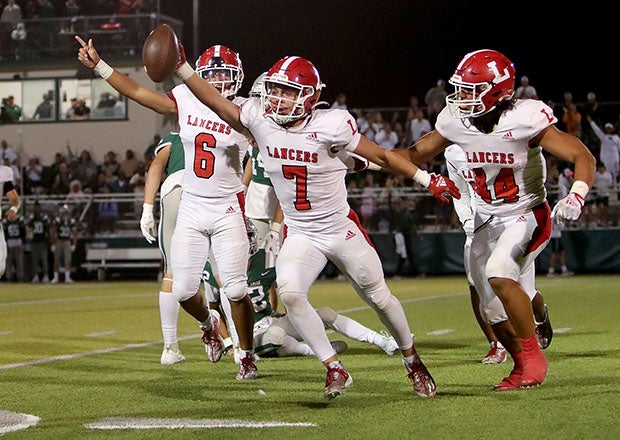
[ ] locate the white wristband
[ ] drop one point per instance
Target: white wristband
(14, 209)
(275, 227)
(422, 177)
(103, 69)
(185, 71)
(147, 208)
(580, 188)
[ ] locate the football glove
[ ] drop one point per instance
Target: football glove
(271, 244)
(147, 223)
(182, 57)
(441, 185)
(568, 208)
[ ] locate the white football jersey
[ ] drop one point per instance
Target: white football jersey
(509, 174)
(307, 175)
(213, 150)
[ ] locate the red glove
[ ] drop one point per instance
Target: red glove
(441, 185)
(182, 57)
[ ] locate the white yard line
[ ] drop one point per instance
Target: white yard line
(147, 423)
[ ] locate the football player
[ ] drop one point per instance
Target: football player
(298, 144)
(503, 140)
(8, 190)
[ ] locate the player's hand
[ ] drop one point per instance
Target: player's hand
(53, 248)
(568, 208)
(87, 54)
(182, 57)
(147, 226)
(441, 186)
(271, 244)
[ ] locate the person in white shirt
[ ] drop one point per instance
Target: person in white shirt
(298, 144)
(610, 147)
(526, 90)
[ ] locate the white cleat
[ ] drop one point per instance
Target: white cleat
(171, 356)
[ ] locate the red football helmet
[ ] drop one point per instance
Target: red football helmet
(482, 80)
(291, 89)
(222, 67)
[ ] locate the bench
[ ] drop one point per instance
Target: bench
(102, 258)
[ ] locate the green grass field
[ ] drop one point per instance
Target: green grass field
(82, 356)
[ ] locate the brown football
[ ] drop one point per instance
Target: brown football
(160, 53)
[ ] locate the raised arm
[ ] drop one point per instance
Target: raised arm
(209, 95)
(160, 103)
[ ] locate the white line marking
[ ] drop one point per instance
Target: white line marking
(88, 353)
(440, 332)
(562, 330)
(5, 333)
(146, 423)
(96, 335)
(10, 421)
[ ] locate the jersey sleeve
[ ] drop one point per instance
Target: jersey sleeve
(346, 134)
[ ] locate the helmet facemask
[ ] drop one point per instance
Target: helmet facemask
(467, 100)
(285, 101)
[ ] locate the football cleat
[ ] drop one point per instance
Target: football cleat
(171, 356)
(535, 364)
(247, 369)
(339, 346)
(387, 343)
(496, 354)
(337, 380)
(544, 331)
(423, 383)
(211, 338)
(511, 382)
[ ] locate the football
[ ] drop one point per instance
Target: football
(160, 53)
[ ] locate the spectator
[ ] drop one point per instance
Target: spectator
(375, 125)
(572, 119)
(340, 102)
(108, 212)
(45, 110)
(62, 181)
(86, 163)
(110, 162)
(81, 111)
(526, 90)
(136, 185)
(435, 100)
(130, 165)
(71, 8)
(10, 112)
(34, 177)
(10, 17)
(603, 183)
(38, 225)
(47, 29)
(70, 113)
(610, 147)
(414, 105)
(7, 153)
(386, 137)
(418, 126)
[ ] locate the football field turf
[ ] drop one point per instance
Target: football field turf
(81, 361)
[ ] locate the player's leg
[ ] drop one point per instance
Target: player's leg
(356, 331)
(358, 260)
(168, 304)
(230, 248)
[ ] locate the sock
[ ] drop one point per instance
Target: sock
(564, 269)
(168, 313)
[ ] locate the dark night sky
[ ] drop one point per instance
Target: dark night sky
(382, 52)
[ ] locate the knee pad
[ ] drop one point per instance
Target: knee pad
(328, 315)
(236, 292)
(377, 295)
(493, 312)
